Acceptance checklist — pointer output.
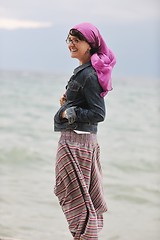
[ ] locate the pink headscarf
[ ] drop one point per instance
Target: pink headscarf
(102, 61)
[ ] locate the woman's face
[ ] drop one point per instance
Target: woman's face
(79, 49)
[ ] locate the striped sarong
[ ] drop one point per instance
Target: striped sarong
(79, 184)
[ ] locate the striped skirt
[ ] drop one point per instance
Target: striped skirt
(79, 184)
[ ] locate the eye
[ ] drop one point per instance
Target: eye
(73, 41)
(76, 41)
(68, 40)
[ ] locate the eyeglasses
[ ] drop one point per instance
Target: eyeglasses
(73, 41)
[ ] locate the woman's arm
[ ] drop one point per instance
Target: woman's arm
(95, 110)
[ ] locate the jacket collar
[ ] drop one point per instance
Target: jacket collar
(81, 67)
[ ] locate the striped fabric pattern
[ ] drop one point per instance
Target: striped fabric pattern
(79, 184)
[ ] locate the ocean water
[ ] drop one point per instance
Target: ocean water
(129, 140)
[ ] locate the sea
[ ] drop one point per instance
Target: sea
(129, 139)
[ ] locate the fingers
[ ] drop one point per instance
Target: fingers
(62, 100)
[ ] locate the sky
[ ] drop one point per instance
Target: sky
(33, 33)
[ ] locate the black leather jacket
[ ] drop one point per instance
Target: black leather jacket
(84, 106)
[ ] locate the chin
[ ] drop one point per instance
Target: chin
(73, 56)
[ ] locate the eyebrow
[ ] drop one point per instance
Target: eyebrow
(73, 37)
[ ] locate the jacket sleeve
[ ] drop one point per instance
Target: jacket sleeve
(95, 110)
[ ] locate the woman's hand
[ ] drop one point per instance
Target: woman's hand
(63, 115)
(62, 100)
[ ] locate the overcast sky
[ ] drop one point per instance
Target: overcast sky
(62, 11)
(114, 18)
(67, 11)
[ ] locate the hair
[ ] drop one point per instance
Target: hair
(80, 36)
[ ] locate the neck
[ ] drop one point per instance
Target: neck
(83, 61)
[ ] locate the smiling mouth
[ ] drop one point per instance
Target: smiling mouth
(73, 50)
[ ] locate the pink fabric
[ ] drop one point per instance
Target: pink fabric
(104, 60)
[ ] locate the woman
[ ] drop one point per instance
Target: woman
(78, 171)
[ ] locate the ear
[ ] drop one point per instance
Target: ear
(88, 50)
